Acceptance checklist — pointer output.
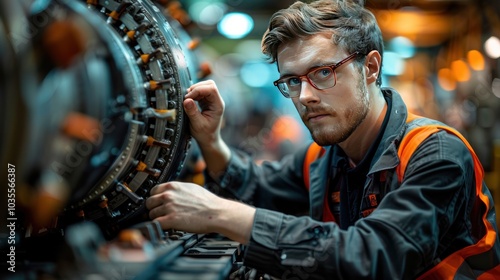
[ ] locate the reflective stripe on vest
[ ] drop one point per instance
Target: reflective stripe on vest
(447, 268)
(314, 152)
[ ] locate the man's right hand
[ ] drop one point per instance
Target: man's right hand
(206, 123)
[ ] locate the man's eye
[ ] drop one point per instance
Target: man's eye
(293, 82)
(322, 73)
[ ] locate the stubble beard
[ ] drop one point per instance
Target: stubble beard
(334, 133)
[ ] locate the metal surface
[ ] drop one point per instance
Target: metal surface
(91, 119)
(92, 112)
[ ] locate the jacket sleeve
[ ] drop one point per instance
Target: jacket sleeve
(275, 186)
(399, 240)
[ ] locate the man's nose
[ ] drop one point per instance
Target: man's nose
(307, 92)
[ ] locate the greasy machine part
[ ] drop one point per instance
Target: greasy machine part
(92, 111)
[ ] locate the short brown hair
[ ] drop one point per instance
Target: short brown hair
(354, 28)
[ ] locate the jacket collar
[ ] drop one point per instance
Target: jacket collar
(386, 156)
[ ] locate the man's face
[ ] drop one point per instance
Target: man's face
(331, 115)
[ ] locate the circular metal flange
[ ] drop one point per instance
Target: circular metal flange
(103, 83)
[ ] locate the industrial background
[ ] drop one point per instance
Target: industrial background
(441, 55)
(91, 117)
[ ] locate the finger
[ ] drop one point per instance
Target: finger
(191, 109)
(201, 84)
(204, 91)
(158, 211)
(166, 222)
(159, 188)
(159, 196)
(154, 201)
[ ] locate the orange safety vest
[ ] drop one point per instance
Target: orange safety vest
(448, 267)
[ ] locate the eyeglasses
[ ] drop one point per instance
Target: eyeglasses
(321, 77)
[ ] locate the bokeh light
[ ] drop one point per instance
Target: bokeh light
(460, 70)
(476, 60)
(258, 74)
(235, 25)
(446, 79)
(402, 46)
(492, 47)
(393, 65)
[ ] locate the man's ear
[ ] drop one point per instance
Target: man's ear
(373, 63)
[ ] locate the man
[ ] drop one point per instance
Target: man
(373, 213)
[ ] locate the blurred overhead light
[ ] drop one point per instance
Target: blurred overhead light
(476, 60)
(460, 70)
(235, 25)
(424, 28)
(403, 46)
(492, 47)
(211, 14)
(258, 74)
(206, 12)
(446, 79)
(393, 64)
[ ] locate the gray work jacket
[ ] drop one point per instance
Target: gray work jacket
(416, 224)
